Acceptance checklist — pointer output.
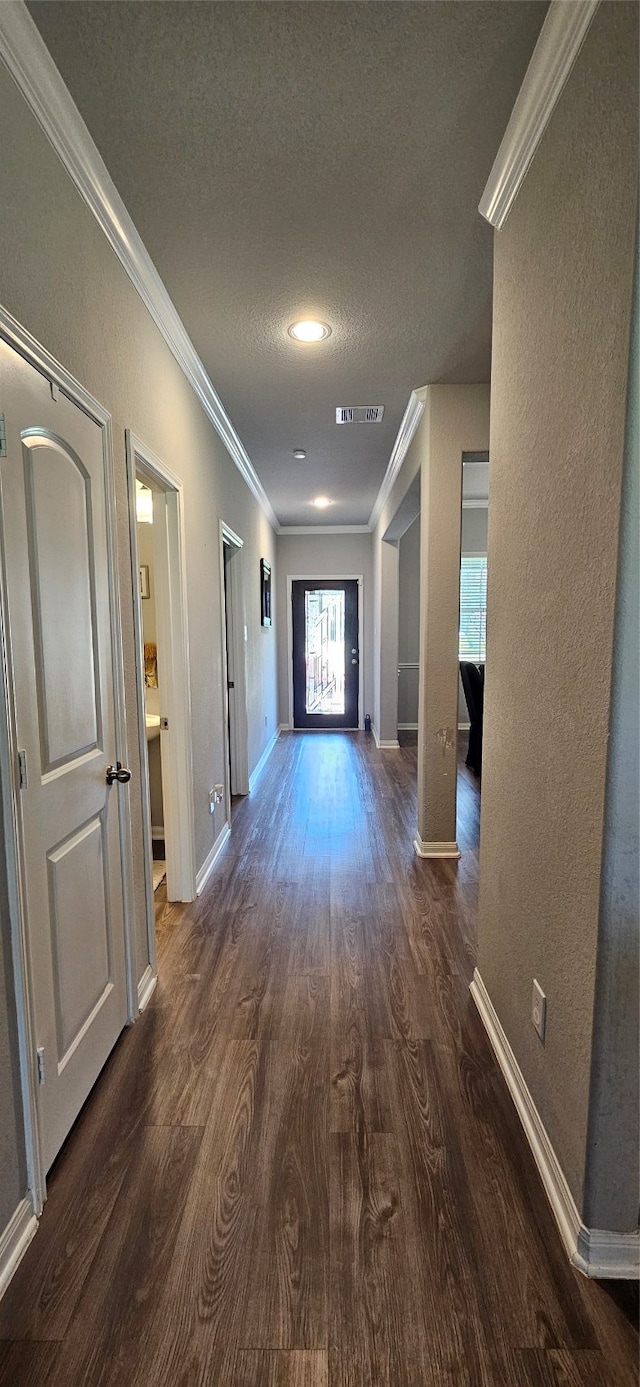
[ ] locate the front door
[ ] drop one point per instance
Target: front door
(326, 655)
(54, 537)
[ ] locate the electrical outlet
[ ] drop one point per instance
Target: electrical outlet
(539, 1009)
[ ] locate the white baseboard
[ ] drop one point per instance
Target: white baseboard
(407, 727)
(608, 1256)
(146, 986)
(204, 872)
(594, 1252)
(283, 727)
(464, 727)
(257, 772)
(15, 1240)
(157, 832)
(423, 849)
(382, 745)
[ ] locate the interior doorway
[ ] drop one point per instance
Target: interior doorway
(163, 691)
(325, 652)
(236, 751)
(65, 782)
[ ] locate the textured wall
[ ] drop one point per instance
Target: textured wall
(59, 278)
(562, 294)
(615, 1080)
(320, 556)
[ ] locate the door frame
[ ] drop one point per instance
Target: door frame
(40, 359)
(330, 578)
(236, 747)
(173, 658)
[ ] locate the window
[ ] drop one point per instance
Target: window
(473, 608)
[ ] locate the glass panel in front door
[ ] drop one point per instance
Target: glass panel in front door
(324, 650)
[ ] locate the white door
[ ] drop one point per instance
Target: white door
(54, 533)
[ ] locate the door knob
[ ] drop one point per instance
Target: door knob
(118, 772)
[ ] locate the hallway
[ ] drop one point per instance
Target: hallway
(301, 1167)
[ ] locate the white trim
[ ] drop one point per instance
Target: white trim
(559, 42)
(283, 727)
(475, 503)
(146, 986)
(257, 771)
(382, 745)
(464, 727)
(38, 357)
(33, 69)
(407, 727)
(410, 420)
(606, 1256)
(204, 872)
(14, 1241)
(173, 653)
(435, 850)
(594, 1252)
(324, 530)
(330, 578)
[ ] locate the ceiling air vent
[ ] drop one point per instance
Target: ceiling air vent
(359, 414)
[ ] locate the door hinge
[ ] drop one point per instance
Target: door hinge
(41, 1069)
(22, 769)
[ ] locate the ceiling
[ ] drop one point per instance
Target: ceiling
(285, 160)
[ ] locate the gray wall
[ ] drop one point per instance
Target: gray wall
(614, 1118)
(409, 624)
(60, 279)
(474, 530)
(562, 297)
(474, 541)
(321, 556)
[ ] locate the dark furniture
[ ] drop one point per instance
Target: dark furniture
(473, 685)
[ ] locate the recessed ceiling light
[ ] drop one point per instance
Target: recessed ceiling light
(300, 454)
(321, 502)
(308, 330)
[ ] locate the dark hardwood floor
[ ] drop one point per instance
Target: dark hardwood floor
(301, 1167)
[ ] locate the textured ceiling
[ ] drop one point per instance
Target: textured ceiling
(284, 160)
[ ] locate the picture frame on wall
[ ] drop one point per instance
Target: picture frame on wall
(265, 592)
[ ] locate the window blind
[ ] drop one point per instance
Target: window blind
(473, 608)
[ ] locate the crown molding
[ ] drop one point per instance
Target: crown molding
(559, 42)
(323, 530)
(410, 420)
(27, 58)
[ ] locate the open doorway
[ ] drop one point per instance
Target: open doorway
(163, 692)
(473, 607)
(234, 668)
(151, 660)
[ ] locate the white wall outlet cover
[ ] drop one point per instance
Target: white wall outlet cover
(538, 1009)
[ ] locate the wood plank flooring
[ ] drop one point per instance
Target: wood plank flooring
(301, 1167)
